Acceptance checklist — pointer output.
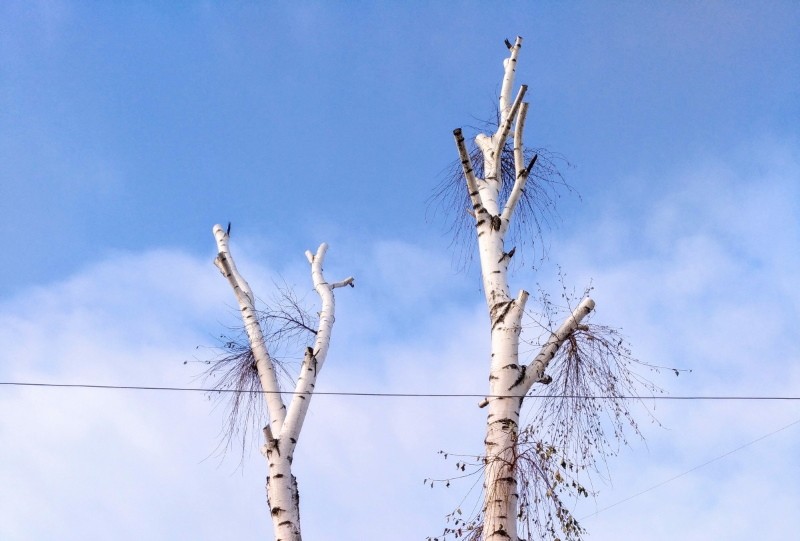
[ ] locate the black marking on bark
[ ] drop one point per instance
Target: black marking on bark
(506, 422)
(530, 165)
(312, 360)
(500, 531)
(519, 378)
(276, 511)
(499, 305)
(499, 319)
(507, 255)
(496, 221)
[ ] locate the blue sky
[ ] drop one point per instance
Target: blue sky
(128, 129)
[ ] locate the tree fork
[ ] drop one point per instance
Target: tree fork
(282, 431)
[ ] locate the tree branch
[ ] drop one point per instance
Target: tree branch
(469, 174)
(500, 137)
(510, 68)
(264, 364)
(535, 370)
(521, 176)
(315, 356)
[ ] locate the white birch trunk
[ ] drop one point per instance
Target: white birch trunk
(283, 429)
(509, 379)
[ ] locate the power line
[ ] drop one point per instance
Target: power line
(386, 395)
(687, 472)
(451, 395)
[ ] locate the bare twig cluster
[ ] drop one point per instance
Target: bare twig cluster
(461, 525)
(287, 324)
(595, 361)
(234, 368)
(536, 208)
(546, 478)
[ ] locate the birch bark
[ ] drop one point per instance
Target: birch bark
(509, 379)
(282, 431)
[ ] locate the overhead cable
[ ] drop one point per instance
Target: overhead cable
(390, 395)
(671, 479)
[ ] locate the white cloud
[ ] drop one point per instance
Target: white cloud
(704, 284)
(92, 463)
(83, 464)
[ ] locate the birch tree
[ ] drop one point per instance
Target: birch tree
(527, 469)
(253, 362)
